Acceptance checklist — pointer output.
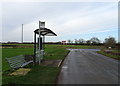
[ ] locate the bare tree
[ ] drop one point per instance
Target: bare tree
(88, 42)
(81, 41)
(76, 41)
(94, 40)
(70, 41)
(110, 42)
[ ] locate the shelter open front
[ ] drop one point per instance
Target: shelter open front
(39, 44)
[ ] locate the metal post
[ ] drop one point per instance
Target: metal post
(43, 42)
(39, 40)
(34, 47)
(43, 45)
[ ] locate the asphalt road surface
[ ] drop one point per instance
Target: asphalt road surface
(85, 66)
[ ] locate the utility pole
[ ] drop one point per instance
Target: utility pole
(22, 35)
(39, 34)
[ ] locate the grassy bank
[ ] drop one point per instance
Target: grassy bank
(110, 55)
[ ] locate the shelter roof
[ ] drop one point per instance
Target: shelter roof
(45, 32)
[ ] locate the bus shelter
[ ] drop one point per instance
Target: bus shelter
(39, 47)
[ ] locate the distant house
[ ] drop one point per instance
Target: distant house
(63, 42)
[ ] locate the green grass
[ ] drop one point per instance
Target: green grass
(19, 44)
(116, 51)
(38, 74)
(83, 46)
(109, 55)
(55, 52)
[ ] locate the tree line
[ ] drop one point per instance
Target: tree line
(108, 42)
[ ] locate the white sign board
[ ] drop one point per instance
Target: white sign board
(42, 24)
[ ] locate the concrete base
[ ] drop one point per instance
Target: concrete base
(21, 71)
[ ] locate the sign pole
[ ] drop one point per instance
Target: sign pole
(41, 25)
(39, 41)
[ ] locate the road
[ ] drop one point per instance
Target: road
(85, 66)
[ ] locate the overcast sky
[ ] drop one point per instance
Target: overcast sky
(69, 20)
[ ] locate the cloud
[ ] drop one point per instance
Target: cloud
(60, 1)
(87, 21)
(63, 18)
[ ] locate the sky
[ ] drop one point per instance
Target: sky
(69, 20)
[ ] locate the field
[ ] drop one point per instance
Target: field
(39, 74)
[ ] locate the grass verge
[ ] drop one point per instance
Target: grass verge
(109, 55)
(38, 75)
